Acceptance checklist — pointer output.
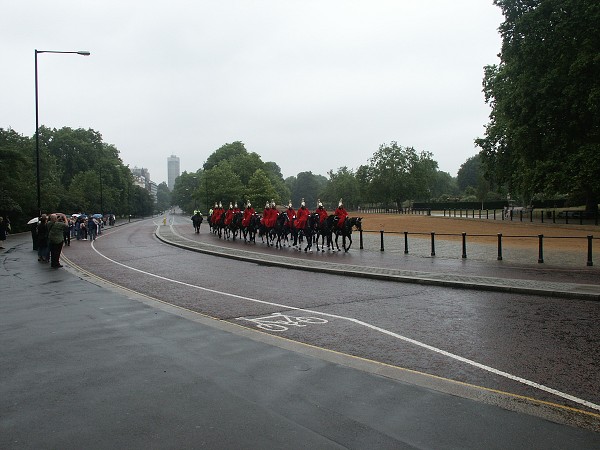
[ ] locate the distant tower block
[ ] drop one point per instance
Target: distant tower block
(173, 171)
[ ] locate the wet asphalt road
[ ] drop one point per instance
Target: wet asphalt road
(550, 341)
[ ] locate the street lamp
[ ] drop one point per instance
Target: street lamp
(37, 137)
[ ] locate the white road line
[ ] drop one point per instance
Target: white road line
(372, 327)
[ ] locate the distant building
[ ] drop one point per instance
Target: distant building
(153, 190)
(173, 171)
(143, 177)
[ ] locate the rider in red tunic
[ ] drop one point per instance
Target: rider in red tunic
(322, 212)
(229, 215)
(273, 214)
(248, 213)
(302, 216)
(341, 213)
(291, 215)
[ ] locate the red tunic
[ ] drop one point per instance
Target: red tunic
(322, 214)
(229, 216)
(341, 213)
(302, 217)
(290, 213)
(248, 212)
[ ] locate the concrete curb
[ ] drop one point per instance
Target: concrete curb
(168, 235)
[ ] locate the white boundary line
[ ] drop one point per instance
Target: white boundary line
(374, 328)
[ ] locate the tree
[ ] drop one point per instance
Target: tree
(342, 185)
(260, 190)
(444, 186)
(469, 173)
(17, 174)
(225, 152)
(163, 197)
(544, 134)
(307, 186)
(400, 173)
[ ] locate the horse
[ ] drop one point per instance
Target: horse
(325, 231)
(235, 226)
(196, 221)
(219, 225)
(308, 232)
(250, 231)
(281, 229)
(346, 231)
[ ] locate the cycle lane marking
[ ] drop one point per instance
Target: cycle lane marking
(372, 327)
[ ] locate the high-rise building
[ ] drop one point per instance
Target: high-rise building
(173, 171)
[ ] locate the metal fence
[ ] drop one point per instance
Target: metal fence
(575, 217)
(462, 237)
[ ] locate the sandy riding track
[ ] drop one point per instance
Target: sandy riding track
(561, 237)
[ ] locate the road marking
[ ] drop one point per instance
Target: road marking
(371, 327)
(282, 322)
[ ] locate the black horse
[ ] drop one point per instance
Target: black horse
(325, 232)
(197, 221)
(282, 229)
(235, 226)
(346, 231)
(309, 232)
(250, 231)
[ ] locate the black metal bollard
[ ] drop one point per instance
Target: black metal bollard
(541, 252)
(361, 239)
(464, 245)
(432, 243)
(499, 246)
(406, 242)
(589, 261)
(381, 231)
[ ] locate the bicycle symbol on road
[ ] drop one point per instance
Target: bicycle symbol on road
(282, 322)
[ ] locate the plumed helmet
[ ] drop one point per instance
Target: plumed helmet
(268, 205)
(249, 204)
(230, 205)
(220, 205)
(290, 204)
(302, 202)
(341, 203)
(216, 205)
(319, 203)
(272, 203)
(235, 206)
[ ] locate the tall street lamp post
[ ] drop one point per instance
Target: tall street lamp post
(37, 124)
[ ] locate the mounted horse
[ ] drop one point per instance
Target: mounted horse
(282, 229)
(346, 231)
(235, 226)
(197, 221)
(250, 231)
(309, 231)
(325, 232)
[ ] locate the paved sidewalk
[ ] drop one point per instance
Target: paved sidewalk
(88, 365)
(581, 283)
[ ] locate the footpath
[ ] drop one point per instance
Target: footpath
(88, 365)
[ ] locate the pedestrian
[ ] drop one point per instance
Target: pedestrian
(67, 233)
(92, 228)
(42, 236)
(34, 237)
(4, 229)
(56, 229)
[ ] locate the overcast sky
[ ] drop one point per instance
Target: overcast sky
(310, 85)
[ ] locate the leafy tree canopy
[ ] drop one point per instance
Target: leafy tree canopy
(544, 130)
